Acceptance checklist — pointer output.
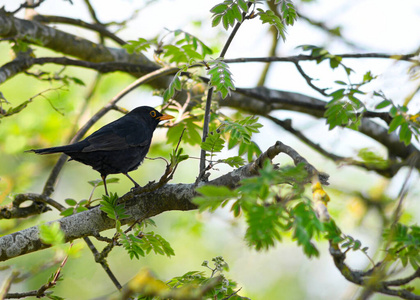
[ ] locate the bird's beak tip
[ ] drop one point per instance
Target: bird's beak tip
(166, 117)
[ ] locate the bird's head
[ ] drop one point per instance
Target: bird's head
(149, 113)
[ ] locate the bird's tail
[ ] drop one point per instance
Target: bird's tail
(49, 150)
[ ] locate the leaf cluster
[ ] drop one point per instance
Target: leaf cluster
(236, 133)
(141, 244)
(404, 244)
(228, 12)
(273, 205)
(407, 124)
(220, 77)
(186, 49)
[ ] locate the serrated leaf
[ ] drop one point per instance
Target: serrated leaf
(213, 143)
(212, 197)
(235, 161)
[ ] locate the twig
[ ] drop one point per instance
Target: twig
(210, 95)
(98, 27)
(27, 5)
(309, 80)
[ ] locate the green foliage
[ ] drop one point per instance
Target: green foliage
(288, 11)
(110, 206)
(51, 234)
(306, 226)
(229, 12)
(187, 49)
(252, 150)
(267, 215)
(213, 197)
(234, 161)
(177, 156)
(215, 286)
(75, 207)
(268, 16)
(349, 242)
(372, 158)
(404, 244)
(213, 142)
(143, 243)
(345, 108)
(241, 131)
(322, 54)
(174, 86)
(100, 182)
(220, 77)
(265, 224)
(191, 134)
(407, 124)
(138, 46)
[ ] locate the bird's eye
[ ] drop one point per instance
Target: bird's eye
(153, 114)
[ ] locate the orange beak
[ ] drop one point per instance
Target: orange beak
(165, 117)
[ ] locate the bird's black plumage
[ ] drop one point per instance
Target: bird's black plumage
(118, 147)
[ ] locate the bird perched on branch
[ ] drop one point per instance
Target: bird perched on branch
(118, 147)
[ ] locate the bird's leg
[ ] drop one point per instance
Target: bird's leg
(104, 181)
(136, 185)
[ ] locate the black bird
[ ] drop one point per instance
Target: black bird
(118, 147)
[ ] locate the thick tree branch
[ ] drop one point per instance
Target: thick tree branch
(263, 101)
(140, 205)
(60, 41)
(364, 278)
(80, 23)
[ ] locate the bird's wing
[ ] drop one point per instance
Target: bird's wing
(117, 136)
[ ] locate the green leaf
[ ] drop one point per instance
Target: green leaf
(220, 78)
(405, 133)
(51, 234)
(383, 104)
(219, 8)
(137, 46)
(213, 143)
(213, 197)
(67, 212)
(372, 158)
(237, 13)
(396, 122)
(264, 226)
(241, 131)
(242, 4)
(235, 161)
(191, 133)
(70, 202)
(269, 17)
(132, 245)
(110, 206)
(216, 20)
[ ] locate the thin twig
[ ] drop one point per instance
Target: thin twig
(210, 95)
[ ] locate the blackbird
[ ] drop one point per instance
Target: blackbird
(118, 147)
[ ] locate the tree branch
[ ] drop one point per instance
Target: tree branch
(139, 205)
(80, 23)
